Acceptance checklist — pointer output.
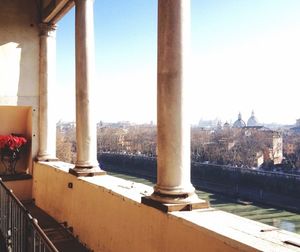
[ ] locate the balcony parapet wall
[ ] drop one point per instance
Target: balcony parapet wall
(106, 213)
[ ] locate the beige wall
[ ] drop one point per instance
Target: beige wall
(17, 119)
(106, 214)
(19, 58)
(21, 188)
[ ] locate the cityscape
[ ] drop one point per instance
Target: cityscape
(240, 144)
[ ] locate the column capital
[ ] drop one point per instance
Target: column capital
(47, 29)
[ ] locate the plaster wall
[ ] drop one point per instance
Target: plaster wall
(19, 58)
(107, 215)
(21, 188)
(17, 119)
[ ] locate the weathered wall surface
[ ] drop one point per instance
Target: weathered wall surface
(19, 59)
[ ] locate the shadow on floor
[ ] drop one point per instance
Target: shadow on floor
(59, 234)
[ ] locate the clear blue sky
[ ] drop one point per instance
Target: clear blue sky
(245, 56)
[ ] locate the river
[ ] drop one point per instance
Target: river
(275, 217)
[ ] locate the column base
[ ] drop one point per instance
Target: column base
(86, 172)
(179, 206)
(46, 158)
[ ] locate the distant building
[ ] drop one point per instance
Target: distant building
(290, 148)
(226, 125)
(259, 159)
(219, 125)
(208, 123)
(273, 141)
(252, 121)
(277, 152)
(65, 126)
(239, 123)
(296, 129)
(116, 125)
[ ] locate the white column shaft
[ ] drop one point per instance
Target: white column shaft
(85, 81)
(47, 122)
(173, 174)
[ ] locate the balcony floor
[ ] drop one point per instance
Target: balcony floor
(14, 177)
(60, 236)
(2, 243)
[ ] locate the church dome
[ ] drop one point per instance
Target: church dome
(252, 121)
(226, 125)
(239, 123)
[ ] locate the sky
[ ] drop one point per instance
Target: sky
(245, 56)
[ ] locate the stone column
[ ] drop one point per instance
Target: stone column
(47, 122)
(86, 164)
(173, 128)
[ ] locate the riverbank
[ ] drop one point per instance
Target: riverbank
(229, 182)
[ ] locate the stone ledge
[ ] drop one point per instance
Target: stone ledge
(254, 234)
(166, 207)
(127, 189)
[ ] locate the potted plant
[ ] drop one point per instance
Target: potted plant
(10, 149)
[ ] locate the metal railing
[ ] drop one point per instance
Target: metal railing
(20, 230)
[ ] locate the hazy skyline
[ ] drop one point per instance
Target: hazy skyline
(245, 56)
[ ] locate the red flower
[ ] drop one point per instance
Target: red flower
(12, 142)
